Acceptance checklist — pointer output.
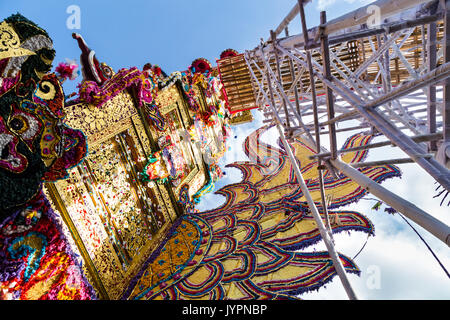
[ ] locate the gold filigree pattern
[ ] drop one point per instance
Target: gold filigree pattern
(10, 43)
(199, 93)
(141, 135)
(100, 124)
(197, 182)
(167, 98)
(82, 209)
(118, 218)
(165, 197)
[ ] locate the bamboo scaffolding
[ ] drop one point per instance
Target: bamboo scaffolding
(322, 229)
(419, 138)
(388, 79)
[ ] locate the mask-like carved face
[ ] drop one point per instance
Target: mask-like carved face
(20, 165)
(35, 145)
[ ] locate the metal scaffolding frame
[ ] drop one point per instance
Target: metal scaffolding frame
(348, 69)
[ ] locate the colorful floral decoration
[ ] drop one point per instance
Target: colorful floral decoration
(174, 161)
(208, 118)
(36, 259)
(173, 158)
(201, 65)
(196, 74)
(168, 164)
(214, 85)
(185, 200)
(158, 71)
(67, 70)
(214, 174)
(227, 53)
(250, 247)
(187, 86)
(155, 170)
(101, 84)
(199, 130)
(93, 93)
(155, 117)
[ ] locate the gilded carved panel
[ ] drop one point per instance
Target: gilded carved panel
(100, 124)
(179, 121)
(114, 217)
(167, 98)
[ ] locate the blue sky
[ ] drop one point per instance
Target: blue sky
(172, 33)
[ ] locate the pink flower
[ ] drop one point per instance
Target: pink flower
(67, 70)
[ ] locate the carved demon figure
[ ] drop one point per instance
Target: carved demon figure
(34, 143)
(35, 147)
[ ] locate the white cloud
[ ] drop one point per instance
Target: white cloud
(326, 4)
(406, 270)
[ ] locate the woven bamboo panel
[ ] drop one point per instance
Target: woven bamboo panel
(237, 83)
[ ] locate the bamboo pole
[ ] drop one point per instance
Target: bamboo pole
(338, 265)
(357, 17)
(367, 110)
(290, 16)
(431, 90)
(446, 109)
(439, 229)
(329, 93)
(430, 165)
(385, 162)
(315, 115)
(434, 168)
(430, 78)
(360, 16)
(280, 79)
(436, 227)
(418, 138)
(294, 80)
(384, 28)
(284, 98)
